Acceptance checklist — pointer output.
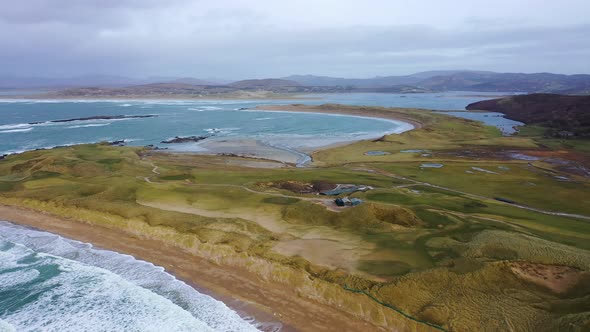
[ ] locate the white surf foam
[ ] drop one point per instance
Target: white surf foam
(76, 297)
(90, 125)
(14, 126)
(108, 291)
(6, 326)
(23, 130)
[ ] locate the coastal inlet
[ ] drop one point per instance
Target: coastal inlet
(211, 127)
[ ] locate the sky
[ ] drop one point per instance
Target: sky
(236, 39)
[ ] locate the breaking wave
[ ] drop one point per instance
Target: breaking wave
(50, 283)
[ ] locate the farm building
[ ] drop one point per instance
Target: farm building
(345, 189)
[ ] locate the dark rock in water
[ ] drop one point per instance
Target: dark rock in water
(187, 139)
(242, 108)
(99, 117)
(119, 143)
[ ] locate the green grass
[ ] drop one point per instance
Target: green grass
(521, 183)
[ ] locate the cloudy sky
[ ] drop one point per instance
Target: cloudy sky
(271, 38)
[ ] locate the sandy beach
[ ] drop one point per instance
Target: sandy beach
(240, 289)
(250, 148)
(300, 156)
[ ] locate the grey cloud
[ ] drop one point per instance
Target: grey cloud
(70, 11)
(190, 38)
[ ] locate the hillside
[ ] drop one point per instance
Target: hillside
(428, 81)
(110, 81)
(193, 81)
(560, 113)
(375, 82)
(465, 80)
(263, 83)
(510, 82)
(156, 89)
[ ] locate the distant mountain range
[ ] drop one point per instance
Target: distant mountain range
(447, 80)
(264, 83)
(463, 81)
(376, 82)
(12, 82)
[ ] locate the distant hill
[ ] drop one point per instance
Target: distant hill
(145, 90)
(78, 81)
(193, 81)
(428, 81)
(12, 82)
(564, 115)
(464, 80)
(375, 82)
(264, 83)
(510, 82)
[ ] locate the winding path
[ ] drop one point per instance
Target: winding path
(520, 206)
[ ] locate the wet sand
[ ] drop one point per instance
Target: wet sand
(250, 148)
(300, 156)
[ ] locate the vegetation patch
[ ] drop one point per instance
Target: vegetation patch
(176, 177)
(280, 200)
(385, 268)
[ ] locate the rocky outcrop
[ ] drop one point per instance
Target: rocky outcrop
(98, 117)
(187, 139)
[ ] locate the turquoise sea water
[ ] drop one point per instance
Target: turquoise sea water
(219, 119)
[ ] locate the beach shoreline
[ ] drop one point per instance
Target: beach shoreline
(346, 111)
(268, 302)
(300, 156)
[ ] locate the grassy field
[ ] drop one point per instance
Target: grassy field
(433, 242)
